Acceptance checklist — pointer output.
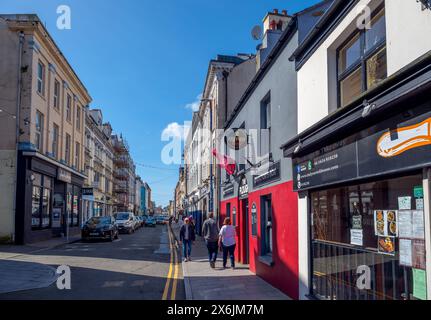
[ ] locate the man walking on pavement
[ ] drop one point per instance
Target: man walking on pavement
(210, 231)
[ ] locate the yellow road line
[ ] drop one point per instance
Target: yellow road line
(174, 284)
(168, 280)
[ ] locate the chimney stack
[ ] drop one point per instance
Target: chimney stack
(275, 11)
(284, 12)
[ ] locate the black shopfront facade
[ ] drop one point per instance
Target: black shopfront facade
(364, 172)
(48, 199)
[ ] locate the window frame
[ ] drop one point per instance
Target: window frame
(67, 148)
(40, 80)
(267, 240)
(265, 121)
(365, 55)
(78, 118)
(55, 140)
(69, 108)
(40, 118)
(56, 95)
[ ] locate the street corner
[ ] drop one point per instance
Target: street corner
(22, 275)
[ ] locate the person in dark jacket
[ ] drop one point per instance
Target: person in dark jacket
(187, 236)
(210, 231)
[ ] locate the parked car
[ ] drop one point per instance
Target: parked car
(150, 222)
(140, 221)
(100, 228)
(160, 220)
(126, 222)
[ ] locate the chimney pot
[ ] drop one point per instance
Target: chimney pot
(284, 12)
(276, 11)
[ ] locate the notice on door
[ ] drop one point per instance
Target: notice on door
(357, 237)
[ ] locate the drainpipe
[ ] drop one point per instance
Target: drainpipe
(17, 119)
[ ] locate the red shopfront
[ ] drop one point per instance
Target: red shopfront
(266, 219)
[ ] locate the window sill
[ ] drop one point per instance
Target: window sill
(267, 260)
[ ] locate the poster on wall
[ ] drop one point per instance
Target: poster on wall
(386, 245)
(385, 223)
(418, 225)
(418, 259)
(357, 237)
(406, 253)
(404, 203)
(405, 224)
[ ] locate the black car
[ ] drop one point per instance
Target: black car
(100, 228)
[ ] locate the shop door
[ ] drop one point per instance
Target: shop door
(244, 230)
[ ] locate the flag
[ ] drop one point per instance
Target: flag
(225, 162)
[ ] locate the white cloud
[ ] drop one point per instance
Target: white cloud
(175, 130)
(194, 106)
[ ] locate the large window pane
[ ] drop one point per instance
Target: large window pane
(46, 208)
(377, 33)
(350, 54)
(377, 69)
(351, 87)
(336, 261)
(35, 207)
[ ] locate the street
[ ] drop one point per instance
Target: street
(136, 267)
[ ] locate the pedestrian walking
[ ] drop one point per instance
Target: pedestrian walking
(210, 231)
(187, 236)
(227, 242)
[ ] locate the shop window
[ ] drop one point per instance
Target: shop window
(266, 219)
(41, 202)
(362, 60)
(39, 131)
(347, 242)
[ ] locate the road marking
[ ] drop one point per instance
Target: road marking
(168, 280)
(174, 285)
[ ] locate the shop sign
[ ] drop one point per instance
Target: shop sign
(64, 175)
(254, 220)
(375, 151)
(243, 188)
(87, 191)
(228, 189)
(272, 174)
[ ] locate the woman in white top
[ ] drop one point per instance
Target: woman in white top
(227, 242)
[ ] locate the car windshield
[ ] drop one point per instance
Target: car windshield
(99, 220)
(123, 216)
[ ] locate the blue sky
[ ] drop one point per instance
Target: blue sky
(144, 61)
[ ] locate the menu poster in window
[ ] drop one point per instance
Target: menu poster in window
(75, 204)
(356, 237)
(404, 203)
(386, 245)
(385, 223)
(405, 224)
(419, 261)
(379, 223)
(418, 225)
(420, 204)
(406, 251)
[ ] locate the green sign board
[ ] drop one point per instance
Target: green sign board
(419, 284)
(418, 192)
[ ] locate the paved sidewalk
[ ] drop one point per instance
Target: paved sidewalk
(18, 275)
(203, 283)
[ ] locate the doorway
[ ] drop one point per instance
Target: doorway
(245, 231)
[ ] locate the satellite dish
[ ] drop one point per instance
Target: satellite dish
(256, 33)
